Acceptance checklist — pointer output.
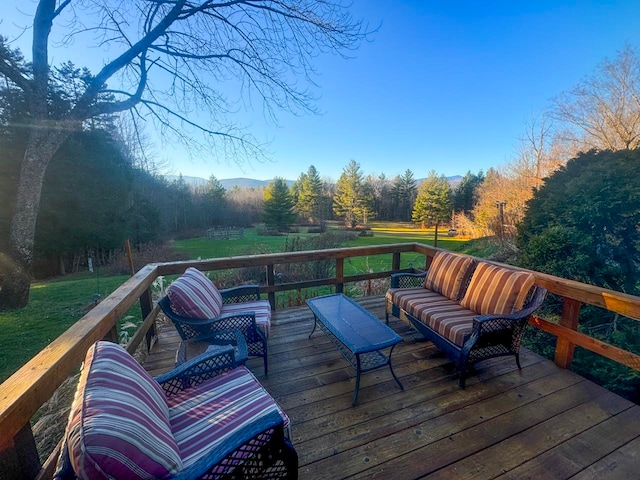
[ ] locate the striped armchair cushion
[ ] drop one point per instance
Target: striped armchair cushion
(448, 274)
(497, 290)
(262, 309)
(193, 295)
(119, 422)
(204, 416)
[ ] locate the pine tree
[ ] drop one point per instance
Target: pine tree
(278, 205)
(350, 200)
(309, 193)
(404, 193)
(433, 203)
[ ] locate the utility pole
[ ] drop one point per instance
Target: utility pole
(500, 206)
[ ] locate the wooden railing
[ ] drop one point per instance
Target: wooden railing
(35, 383)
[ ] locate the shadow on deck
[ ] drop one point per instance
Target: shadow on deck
(540, 422)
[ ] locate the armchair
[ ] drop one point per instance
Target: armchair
(198, 309)
(206, 419)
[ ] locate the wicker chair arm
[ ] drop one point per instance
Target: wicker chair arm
(534, 303)
(241, 293)
(197, 370)
(260, 430)
(407, 280)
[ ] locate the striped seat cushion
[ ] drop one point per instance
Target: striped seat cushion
(448, 274)
(497, 290)
(262, 309)
(438, 312)
(193, 295)
(203, 416)
(119, 423)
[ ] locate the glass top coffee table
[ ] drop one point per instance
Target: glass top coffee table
(357, 334)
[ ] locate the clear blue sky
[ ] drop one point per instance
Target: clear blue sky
(443, 85)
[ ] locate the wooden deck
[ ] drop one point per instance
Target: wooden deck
(541, 422)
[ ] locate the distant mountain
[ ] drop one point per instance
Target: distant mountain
(227, 183)
(241, 182)
(192, 181)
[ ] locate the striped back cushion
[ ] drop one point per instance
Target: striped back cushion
(497, 290)
(448, 274)
(193, 295)
(119, 423)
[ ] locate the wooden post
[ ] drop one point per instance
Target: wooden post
(340, 275)
(271, 280)
(127, 246)
(146, 305)
(395, 261)
(20, 461)
(570, 319)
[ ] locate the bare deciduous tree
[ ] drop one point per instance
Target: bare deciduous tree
(603, 110)
(167, 62)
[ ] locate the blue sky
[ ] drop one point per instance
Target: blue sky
(443, 85)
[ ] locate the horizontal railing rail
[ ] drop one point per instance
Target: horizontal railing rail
(35, 383)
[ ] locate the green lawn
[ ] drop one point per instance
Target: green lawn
(57, 304)
(53, 307)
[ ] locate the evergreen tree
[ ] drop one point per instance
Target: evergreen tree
(308, 193)
(583, 223)
(433, 203)
(465, 195)
(403, 193)
(350, 201)
(278, 205)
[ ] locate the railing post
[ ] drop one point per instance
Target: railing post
(395, 261)
(271, 280)
(340, 275)
(146, 305)
(20, 461)
(570, 319)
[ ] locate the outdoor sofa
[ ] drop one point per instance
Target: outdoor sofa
(471, 310)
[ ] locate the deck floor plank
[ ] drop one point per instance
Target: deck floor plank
(538, 422)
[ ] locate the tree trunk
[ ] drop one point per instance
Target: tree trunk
(41, 147)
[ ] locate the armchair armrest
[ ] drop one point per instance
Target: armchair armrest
(197, 370)
(241, 293)
(407, 280)
(230, 452)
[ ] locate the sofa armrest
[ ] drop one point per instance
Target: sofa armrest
(407, 280)
(197, 370)
(495, 322)
(241, 293)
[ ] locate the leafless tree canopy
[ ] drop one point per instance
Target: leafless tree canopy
(603, 110)
(171, 61)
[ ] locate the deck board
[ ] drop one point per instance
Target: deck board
(538, 422)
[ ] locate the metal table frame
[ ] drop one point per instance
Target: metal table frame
(357, 334)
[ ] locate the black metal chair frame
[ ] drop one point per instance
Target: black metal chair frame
(244, 321)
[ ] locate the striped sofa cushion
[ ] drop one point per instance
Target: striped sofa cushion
(193, 295)
(119, 422)
(203, 416)
(450, 320)
(262, 309)
(448, 274)
(439, 313)
(497, 290)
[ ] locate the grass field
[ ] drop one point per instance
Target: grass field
(57, 304)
